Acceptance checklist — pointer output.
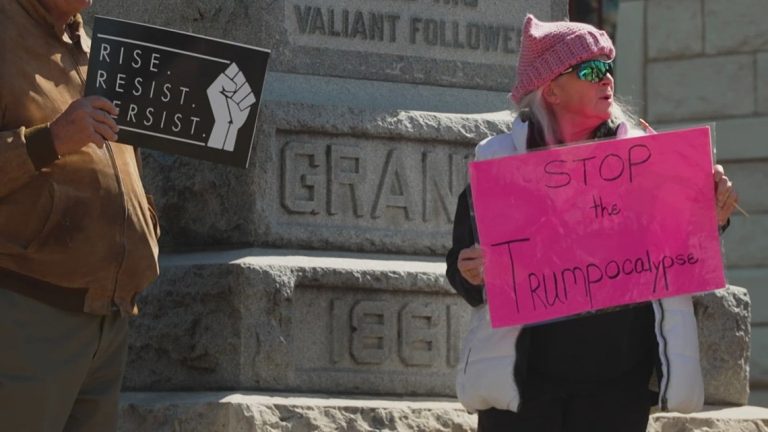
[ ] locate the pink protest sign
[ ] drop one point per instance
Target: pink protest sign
(591, 226)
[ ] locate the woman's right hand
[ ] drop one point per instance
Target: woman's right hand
(471, 263)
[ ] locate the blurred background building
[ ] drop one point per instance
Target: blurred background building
(692, 62)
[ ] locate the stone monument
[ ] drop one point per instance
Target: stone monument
(319, 269)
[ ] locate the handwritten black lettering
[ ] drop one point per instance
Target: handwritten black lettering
(620, 171)
(508, 244)
(548, 288)
(584, 167)
(601, 210)
(636, 160)
(613, 274)
(533, 289)
(573, 271)
(549, 170)
(624, 267)
(612, 167)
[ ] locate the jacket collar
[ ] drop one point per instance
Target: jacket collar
(519, 134)
(75, 30)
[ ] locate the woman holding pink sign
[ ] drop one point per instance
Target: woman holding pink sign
(591, 372)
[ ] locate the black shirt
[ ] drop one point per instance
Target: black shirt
(591, 352)
(608, 350)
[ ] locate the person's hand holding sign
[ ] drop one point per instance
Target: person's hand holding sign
(86, 120)
(727, 198)
(471, 261)
(231, 99)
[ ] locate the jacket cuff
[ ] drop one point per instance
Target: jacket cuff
(472, 293)
(40, 146)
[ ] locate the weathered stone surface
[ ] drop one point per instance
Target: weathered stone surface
(228, 412)
(713, 419)
(271, 319)
(743, 248)
(738, 139)
(462, 43)
(352, 323)
(745, 175)
(682, 89)
(735, 27)
(666, 36)
(762, 83)
(252, 412)
(326, 178)
(724, 337)
(381, 95)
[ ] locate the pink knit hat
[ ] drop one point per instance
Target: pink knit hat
(549, 48)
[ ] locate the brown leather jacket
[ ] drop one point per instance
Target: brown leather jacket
(82, 222)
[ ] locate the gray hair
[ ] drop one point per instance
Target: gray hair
(544, 119)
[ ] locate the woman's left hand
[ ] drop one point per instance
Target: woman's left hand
(726, 195)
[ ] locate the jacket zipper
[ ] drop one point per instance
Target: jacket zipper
(118, 179)
(664, 385)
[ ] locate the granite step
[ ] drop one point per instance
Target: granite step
(341, 322)
(266, 412)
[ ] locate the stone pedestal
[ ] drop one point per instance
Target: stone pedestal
(320, 267)
(349, 323)
(258, 412)
(298, 321)
(325, 177)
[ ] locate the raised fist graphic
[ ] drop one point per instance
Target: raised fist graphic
(231, 99)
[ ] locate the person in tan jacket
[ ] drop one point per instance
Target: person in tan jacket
(78, 235)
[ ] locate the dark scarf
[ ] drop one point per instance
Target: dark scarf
(535, 139)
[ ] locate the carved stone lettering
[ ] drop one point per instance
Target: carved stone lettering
(422, 330)
(352, 24)
(394, 189)
(303, 180)
(467, 3)
(454, 334)
(339, 330)
(356, 182)
(346, 179)
(368, 332)
(373, 332)
(433, 29)
(442, 187)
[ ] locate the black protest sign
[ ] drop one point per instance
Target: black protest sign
(178, 92)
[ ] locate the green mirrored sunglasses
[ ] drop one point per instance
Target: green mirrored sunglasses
(592, 70)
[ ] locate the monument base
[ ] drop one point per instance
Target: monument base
(345, 323)
(263, 412)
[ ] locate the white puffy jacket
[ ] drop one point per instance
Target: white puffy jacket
(485, 376)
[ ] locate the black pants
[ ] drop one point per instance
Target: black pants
(615, 411)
